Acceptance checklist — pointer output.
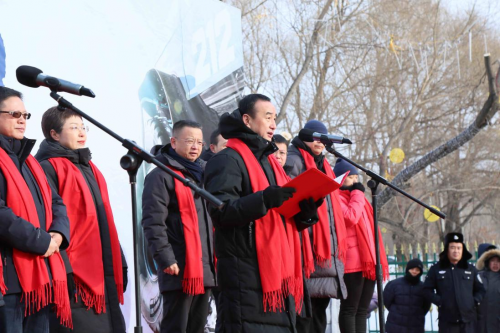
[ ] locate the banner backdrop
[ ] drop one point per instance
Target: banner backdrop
(150, 64)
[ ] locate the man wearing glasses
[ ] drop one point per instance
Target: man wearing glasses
(33, 228)
(179, 231)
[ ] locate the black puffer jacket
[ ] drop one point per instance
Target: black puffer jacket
(325, 282)
(163, 226)
(458, 289)
(226, 177)
(87, 320)
(489, 310)
(407, 306)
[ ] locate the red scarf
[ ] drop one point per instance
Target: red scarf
(277, 244)
(85, 250)
(31, 269)
(321, 230)
(367, 252)
(192, 281)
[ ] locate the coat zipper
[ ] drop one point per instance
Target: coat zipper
(250, 243)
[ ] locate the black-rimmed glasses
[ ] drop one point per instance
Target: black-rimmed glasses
(18, 114)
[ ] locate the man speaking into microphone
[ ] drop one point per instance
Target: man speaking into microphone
(328, 236)
(259, 265)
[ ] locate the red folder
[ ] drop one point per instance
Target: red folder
(312, 183)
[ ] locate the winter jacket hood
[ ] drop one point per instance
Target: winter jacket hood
(50, 149)
(231, 126)
(483, 248)
(482, 263)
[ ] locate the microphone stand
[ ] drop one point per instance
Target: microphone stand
(131, 162)
(373, 183)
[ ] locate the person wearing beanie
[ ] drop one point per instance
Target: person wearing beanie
(361, 254)
(454, 286)
(489, 272)
(406, 304)
(327, 238)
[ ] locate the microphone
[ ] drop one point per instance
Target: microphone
(308, 135)
(33, 77)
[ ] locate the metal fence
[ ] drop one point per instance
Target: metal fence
(397, 260)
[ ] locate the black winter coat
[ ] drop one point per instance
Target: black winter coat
(86, 320)
(325, 282)
(458, 290)
(21, 234)
(489, 310)
(407, 306)
(163, 228)
(226, 177)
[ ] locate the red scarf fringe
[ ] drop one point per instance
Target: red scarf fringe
(192, 281)
(193, 286)
(89, 297)
(84, 255)
(278, 245)
(31, 269)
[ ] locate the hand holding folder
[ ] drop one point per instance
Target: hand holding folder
(310, 184)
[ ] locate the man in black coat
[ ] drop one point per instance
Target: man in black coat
(227, 177)
(459, 291)
(17, 233)
(164, 223)
(405, 301)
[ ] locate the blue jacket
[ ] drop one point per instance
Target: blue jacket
(407, 306)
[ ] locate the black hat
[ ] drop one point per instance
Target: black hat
(455, 237)
(415, 262)
(342, 167)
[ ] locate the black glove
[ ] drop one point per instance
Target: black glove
(308, 210)
(71, 285)
(125, 278)
(357, 186)
(308, 214)
(275, 195)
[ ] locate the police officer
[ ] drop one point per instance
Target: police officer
(458, 290)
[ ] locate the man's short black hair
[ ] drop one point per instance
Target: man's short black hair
(184, 123)
(214, 137)
(54, 119)
(247, 104)
(7, 93)
(278, 138)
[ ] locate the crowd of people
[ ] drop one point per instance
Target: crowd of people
(62, 268)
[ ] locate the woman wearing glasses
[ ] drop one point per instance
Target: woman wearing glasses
(97, 275)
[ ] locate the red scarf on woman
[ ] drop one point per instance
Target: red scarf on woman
(85, 250)
(277, 244)
(31, 268)
(321, 230)
(192, 281)
(366, 252)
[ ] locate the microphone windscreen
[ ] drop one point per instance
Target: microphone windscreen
(26, 75)
(306, 135)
